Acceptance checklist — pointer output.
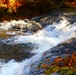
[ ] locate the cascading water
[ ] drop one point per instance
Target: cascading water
(48, 37)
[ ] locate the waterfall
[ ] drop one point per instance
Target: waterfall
(44, 39)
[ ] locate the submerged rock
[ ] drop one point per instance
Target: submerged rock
(17, 52)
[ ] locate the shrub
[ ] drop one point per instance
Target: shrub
(63, 66)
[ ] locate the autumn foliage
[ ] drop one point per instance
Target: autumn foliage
(11, 5)
(62, 66)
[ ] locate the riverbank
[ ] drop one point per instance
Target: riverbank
(29, 13)
(69, 46)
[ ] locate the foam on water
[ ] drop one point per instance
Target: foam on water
(5, 25)
(44, 39)
(8, 25)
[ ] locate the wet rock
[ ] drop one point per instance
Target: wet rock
(68, 46)
(27, 25)
(20, 24)
(37, 23)
(33, 25)
(59, 50)
(17, 52)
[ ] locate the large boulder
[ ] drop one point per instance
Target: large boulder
(26, 25)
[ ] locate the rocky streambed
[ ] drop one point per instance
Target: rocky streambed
(39, 22)
(31, 41)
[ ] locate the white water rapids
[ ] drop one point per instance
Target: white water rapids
(44, 39)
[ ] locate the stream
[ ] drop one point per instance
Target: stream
(19, 51)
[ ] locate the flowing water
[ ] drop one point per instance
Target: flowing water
(41, 41)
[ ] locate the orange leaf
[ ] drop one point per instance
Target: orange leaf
(43, 66)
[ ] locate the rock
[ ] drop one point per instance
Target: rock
(37, 23)
(17, 52)
(63, 47)
(33, 26)
(59, 50)
(20, 24)
(26, 25)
